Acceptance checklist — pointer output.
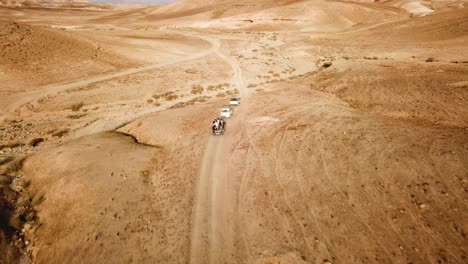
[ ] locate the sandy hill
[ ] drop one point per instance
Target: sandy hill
(320, 16)
(38, 55)
(37, 2)
(323, 16)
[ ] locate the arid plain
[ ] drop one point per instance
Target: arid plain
(350, 144)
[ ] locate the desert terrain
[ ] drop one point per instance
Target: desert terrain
(350, 144)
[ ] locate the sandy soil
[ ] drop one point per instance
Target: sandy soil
(350, 144)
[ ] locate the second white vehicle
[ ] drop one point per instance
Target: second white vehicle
(234, 101)
(226, 111)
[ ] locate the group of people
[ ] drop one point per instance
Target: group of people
(217, 124)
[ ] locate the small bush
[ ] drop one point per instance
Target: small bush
(37, 201)
(78, 116)
(197, 89)
(14, 166)
(61, 133)
(11, 145)
(77, 107)
(6, 160)
(170, 97)
(35, 142)
(326, 64)
(178, 105)
(431, 60)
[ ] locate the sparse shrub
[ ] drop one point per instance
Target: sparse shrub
(149, 101)
(430, 60)
(37, 201)
(25, 184)
(61, 133)
(201, 99)
(178, 105)
(221, 95)
(170, 97)
(78, 116)
(197, 89)
(12, 145)
(326, 64)
(35, 142)
(191, 71)
(6, 160)
(14, 166)
(212, 88)
(77, 107)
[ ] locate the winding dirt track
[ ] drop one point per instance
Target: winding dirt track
(210, 231)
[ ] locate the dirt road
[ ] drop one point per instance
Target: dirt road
(211, 232)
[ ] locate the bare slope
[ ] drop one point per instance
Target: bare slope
(36, 55)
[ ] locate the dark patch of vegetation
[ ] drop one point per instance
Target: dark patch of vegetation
(14, 166)
(169, 96)
(197, 89)
(431, 60)
(35, 142)
(78, 116)
(6, 160)
(11, 145)
(326, 64)
(178, 105)
(77, 107)
(61, 133)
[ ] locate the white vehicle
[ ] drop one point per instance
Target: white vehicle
(234, 101)
(226, 111)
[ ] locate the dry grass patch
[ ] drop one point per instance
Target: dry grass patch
(77, 106)
(14, 166)
(6, 160)
(12, 145)
(197, 89)
(78, 116)
(168, 96)
(61, 133)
